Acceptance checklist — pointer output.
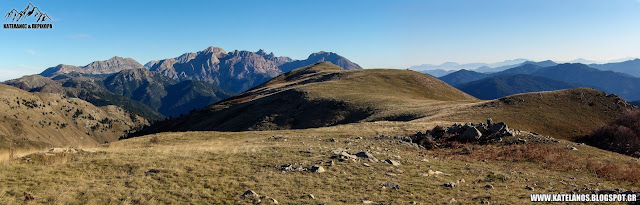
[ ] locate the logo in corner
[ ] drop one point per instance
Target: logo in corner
(31, 11)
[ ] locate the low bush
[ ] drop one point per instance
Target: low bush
(621, 136)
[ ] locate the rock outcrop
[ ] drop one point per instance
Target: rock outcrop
(470, 132)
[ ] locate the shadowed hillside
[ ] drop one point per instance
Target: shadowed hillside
(320, 95)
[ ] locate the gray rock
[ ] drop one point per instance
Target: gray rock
(391, 185)
(471, 134)
(269, 199)
(497, 127)
(309, 196)
(367, 156)
(286, 167)
(392, 162)
(488, 186)
(449, 184)
(528, 188)
(317, 169)
(250, 193)
(344, 155)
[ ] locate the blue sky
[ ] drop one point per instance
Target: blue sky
(374, 34)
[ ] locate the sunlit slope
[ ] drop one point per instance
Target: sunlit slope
(321, 95)
(564, 113)
(43, 120)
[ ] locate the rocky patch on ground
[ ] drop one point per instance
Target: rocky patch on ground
(481, 133)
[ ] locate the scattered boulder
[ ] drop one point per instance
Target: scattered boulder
(391, 185)
(488, 186)
(317, 169)
(392, 162)
(309, 196)
(250, 193)
(449, 184)
(367, 202)
(343, 155)
(367, 156)
(527, 187)
(286, 167)
(269, 200)
(471, 134)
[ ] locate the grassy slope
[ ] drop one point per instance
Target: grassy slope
(215, 167)
(40, 120)
(88, 89)
(562, 114)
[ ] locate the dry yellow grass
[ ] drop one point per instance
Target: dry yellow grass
(217, 167)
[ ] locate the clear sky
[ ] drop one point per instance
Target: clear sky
(372, 33)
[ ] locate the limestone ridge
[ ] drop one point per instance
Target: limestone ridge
(237, 71)
(96, 68)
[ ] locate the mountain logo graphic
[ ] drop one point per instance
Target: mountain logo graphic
(31, 10)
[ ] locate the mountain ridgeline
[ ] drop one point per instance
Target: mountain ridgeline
(568, 75)
(505, 85)
(237, 71)
(169, 87)
(309, 96)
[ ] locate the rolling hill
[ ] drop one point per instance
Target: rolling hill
(309, 96)
(505, 85)
(39, 120)
(636, 103)
(567, 114)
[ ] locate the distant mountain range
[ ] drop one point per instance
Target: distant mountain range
(630, 66)
(504, 85)
(237, 71)
(562, 76)
(636, 103)
(169, 87)
(96, 69)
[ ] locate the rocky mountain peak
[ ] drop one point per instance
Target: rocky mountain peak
(213, 49)
(261, 52)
